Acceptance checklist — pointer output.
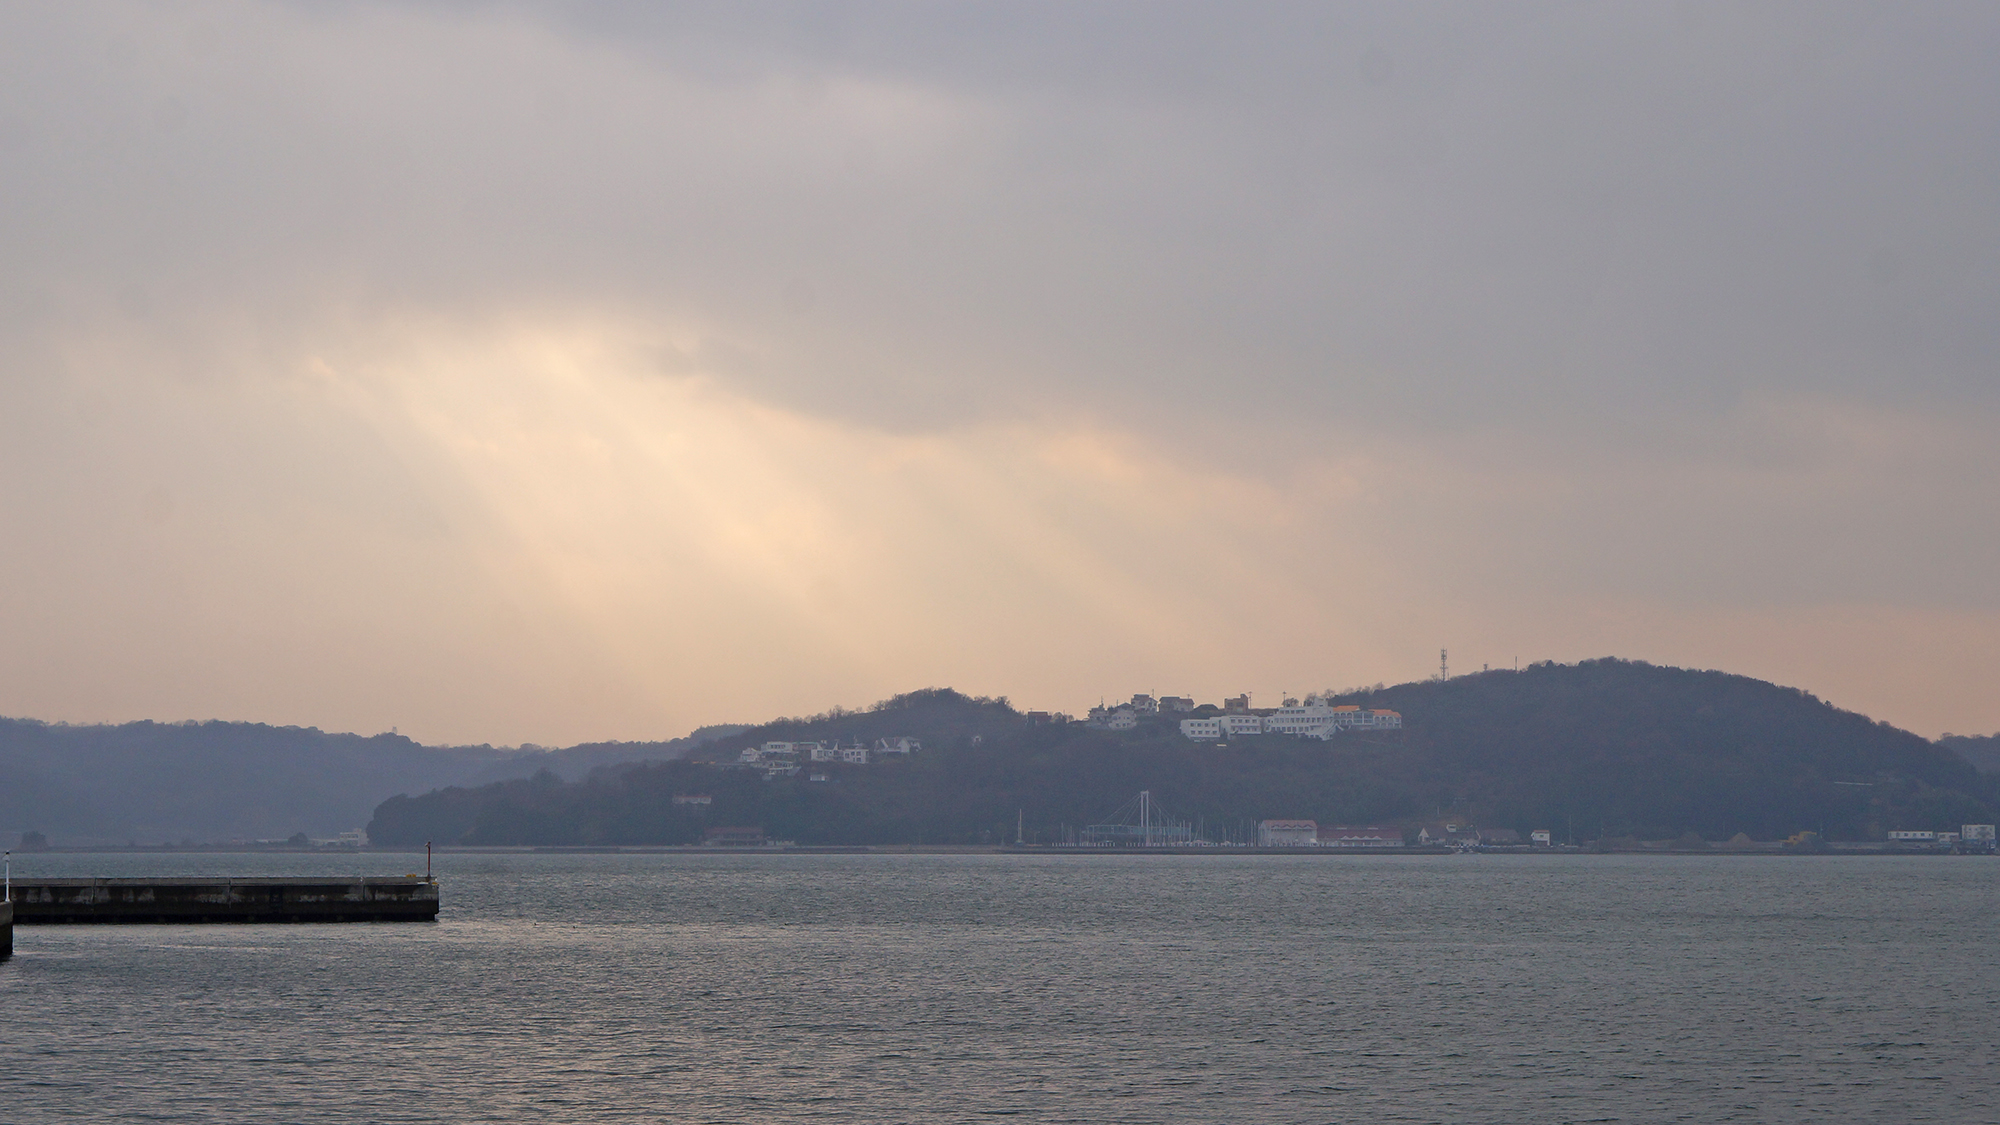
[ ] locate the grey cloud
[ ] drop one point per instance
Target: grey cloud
(1464, 213)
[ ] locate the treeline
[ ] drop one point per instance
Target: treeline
(1982, 750)
(1602, 748)
(149, 782)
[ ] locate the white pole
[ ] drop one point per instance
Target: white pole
(10, 876)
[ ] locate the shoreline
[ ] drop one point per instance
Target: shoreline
(1761, 849)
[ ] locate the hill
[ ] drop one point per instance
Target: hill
(1604, 747)
(1982, 751)
(159, 782)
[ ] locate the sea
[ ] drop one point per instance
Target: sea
(1063, 988)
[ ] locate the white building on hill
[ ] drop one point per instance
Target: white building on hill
(1202, 730)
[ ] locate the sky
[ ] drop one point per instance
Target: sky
(498, 372)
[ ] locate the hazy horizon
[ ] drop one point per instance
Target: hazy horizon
(506, 372)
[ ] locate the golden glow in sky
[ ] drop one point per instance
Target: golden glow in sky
(513, 374)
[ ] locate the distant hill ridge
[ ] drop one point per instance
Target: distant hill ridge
(1600, 748)
(152, 782)
(1983, 751)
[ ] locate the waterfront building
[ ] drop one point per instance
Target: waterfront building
(1368, 837)
(1448, 834)
(1287, 834)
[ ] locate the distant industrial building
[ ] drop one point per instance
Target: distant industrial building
(1968, 838)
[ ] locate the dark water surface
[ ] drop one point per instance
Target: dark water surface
(1086, 989)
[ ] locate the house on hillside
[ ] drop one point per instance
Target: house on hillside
(1319, 718)
(1121, 717)
(1234, 725)
(775, 758)
(1202, 730)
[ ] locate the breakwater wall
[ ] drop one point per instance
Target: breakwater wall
(410, 898)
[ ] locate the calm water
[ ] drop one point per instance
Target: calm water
(947, 988)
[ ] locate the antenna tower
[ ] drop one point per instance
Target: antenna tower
(1444, 669)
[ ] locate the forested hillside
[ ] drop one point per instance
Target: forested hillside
(1604, 747)
(162, 782)
(1983, 751)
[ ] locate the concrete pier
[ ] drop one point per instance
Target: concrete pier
(402, 898)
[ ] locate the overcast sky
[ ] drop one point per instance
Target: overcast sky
(516, 372)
